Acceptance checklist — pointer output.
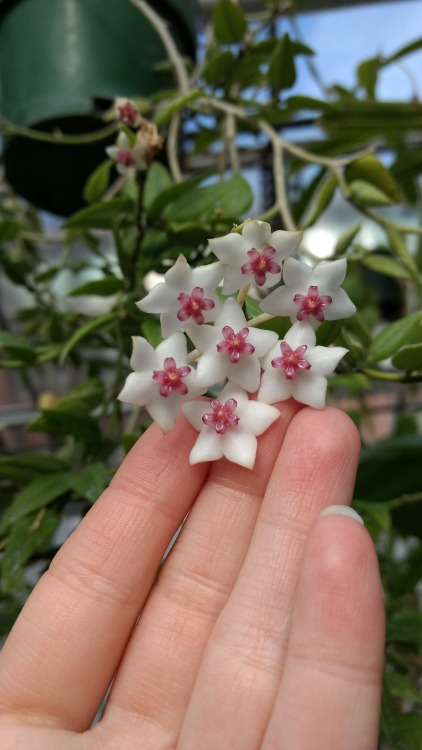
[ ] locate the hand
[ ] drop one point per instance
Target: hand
(264, 629)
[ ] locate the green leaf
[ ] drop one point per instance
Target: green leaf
(386, 265)
(219, 67)
(230, 198)
(102, 287)
(321, 199)
(17, 346)
(409, 357)
(346, 239)
(367, 74)
(176, 105)
(69, 419)
(102, 322)
(367, 196)
(151, 329)
(369, 169)
(9, 229)
(157, 180)
(90, 481)
(229, 22)
(282, 70)
(172, 194)
(410, 729)
(38, 493)
(27, 536)
(97, 182)
(406, 50)
(402, 687)
(390, 730)
(100, 215)
(90, 392)
(405, 626)
(20, 469)
(388, 341)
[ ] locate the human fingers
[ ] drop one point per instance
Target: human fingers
(65, 647)
(154, 683)
(329, 695)
(242, 665)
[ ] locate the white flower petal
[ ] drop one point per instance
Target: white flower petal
(245, 373)
(299, 334)
(164, 410)
(229, 249)
(240, 447)
(310, 389)
(274, 387)
(255, 417)
(257, 234)
(262, 340)
(324, 359)
(143, 355)
(156, 300)
(194, 411)
(234, 280)
(208, 277)
(279, 302)
(341, 306)
(179, 275)
(331, 273)
(231, 314)
(212, 369)
(297, 274)
(175, 346)
(138, 389)
(285, 242)
(208, 447)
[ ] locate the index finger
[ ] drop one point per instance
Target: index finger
(73, 630)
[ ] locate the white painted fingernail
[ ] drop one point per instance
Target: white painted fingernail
(341, 510)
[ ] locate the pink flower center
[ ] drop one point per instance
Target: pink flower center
(312, 304)
(234, 344)
(291, 360)
(128, 114)
(260, 264)
(125, 157)
(171, 378)
(222, 416)
(193, 304)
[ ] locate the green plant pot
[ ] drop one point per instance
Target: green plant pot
(62, 62)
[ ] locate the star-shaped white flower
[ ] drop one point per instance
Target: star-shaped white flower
(128, 158)
(162, 379)
(255, 256)
(230, 349)
(228, 426)
(296, 367)
(185, 297)
(311, 294)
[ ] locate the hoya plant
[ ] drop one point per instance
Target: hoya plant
(180, 286)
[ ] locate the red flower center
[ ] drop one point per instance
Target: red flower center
(171, 378)
(128, 114)
(234, 344)
(193, 304)
(222, 416)
(312, 304)
(126, 158)
(291, 360)
(260, 264)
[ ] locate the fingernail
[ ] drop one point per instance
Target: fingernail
(341, 510)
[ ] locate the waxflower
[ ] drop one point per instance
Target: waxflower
(311, 294)
(161, 379)
(128, 157)
(127, 112)
(230, 349)
(296, 367)
(228, 426)
(185, 297)
(255, 256)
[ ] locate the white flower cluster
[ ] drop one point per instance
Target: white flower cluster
(235, 355)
